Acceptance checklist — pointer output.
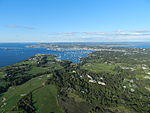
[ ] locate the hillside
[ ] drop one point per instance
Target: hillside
(112, 80)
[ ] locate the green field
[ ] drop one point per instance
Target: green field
(36, 70)
(46, 100)
(1, 75)
(99, 67)
(45, 94)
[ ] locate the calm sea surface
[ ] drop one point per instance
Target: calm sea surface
(11, 53)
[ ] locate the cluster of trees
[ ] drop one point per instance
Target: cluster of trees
(25, 104)
(101, 97)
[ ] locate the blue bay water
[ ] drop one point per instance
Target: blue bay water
(11, 53)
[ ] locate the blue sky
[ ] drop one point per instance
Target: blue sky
(74, 20)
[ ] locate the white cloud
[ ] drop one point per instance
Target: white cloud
(119, 35)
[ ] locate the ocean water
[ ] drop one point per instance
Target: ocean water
(11, 53)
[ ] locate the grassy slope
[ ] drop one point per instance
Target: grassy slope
(50, 92)
(36, 70)
(98, 67)
(46, 100)
(1, 75)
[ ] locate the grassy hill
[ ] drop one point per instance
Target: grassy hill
(105, 82)
(44, 97)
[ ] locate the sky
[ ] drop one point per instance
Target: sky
(74, 20)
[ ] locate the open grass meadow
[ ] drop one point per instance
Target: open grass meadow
(41, 94)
